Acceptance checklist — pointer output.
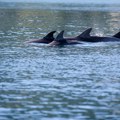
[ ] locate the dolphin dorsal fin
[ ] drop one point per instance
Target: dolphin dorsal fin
(60, 36)
(86, 33)
(49, 35)
(117, 35)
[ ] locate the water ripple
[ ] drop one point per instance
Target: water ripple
(70, 82)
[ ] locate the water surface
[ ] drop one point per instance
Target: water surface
(80, 82)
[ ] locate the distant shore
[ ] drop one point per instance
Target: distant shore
(67, 1)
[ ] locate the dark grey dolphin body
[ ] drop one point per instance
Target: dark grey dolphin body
(47, 39)
(60, 40)
(114, 38)
(83, 37)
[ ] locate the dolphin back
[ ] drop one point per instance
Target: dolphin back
(84, 34)
(117, 35)
(60, 36)
(49, 35)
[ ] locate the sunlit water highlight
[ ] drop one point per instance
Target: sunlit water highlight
(80, 82)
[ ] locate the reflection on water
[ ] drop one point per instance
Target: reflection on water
(71, 82)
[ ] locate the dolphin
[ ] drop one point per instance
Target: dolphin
(114, 38)
(60, 40)
(86, 33)
(47, 39)
(117, 35)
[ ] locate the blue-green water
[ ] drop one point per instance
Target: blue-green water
(37, 82)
